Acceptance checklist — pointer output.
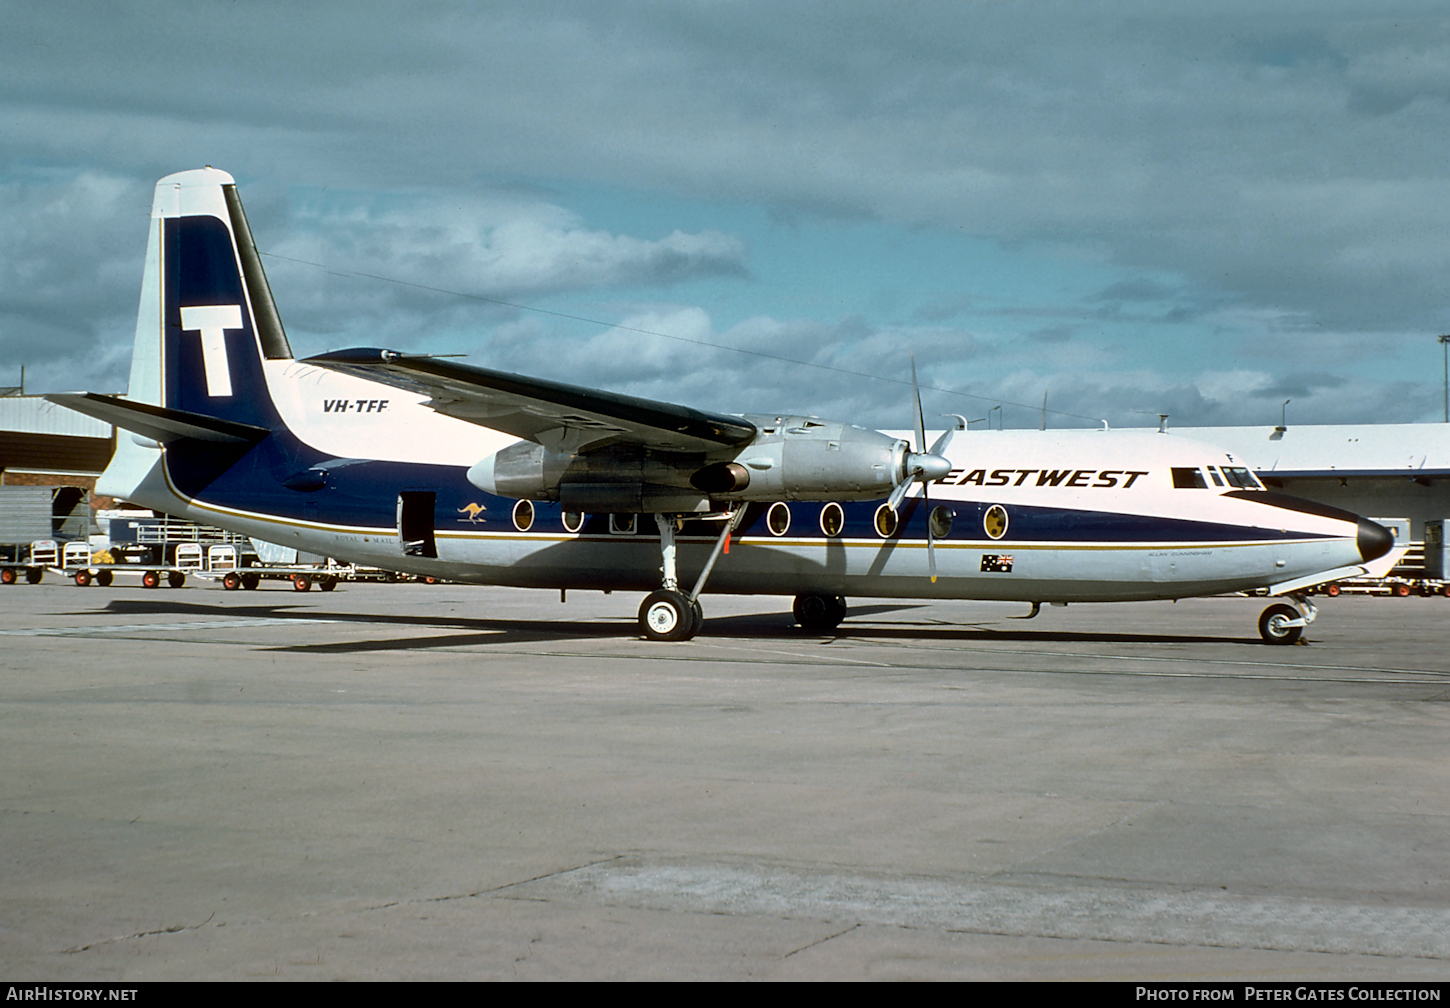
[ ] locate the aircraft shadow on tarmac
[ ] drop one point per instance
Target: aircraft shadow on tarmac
(753, 626)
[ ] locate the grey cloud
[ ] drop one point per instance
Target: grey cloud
(1286, 160)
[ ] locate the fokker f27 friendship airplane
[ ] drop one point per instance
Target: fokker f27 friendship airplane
(415, 463)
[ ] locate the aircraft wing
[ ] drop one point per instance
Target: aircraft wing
(559, 416)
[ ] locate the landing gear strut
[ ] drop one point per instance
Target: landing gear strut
(669, 614)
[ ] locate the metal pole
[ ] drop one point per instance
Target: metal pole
(1445, 348)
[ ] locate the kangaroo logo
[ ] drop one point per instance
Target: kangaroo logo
(213, 321)
(473, 511)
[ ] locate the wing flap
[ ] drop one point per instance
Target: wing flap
(560, 416)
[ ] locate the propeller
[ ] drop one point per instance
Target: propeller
(922, 467)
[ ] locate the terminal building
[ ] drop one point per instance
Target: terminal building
(42, 444)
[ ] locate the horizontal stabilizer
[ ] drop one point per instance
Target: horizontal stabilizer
(559, 416)
(158, 423)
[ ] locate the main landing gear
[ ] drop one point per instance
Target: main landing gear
(819, 613)
(670, 614)
(1284, 624)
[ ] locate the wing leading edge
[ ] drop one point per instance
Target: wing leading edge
(561, 417)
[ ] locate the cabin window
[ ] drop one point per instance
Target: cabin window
(833, 519)
(777, 519)
(941, 521)
(886, 522)
(621, 524)
(524, 515)
(1188, 479)
(573, 520)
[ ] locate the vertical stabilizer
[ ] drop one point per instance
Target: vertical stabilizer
(207, 324)
(209, 304)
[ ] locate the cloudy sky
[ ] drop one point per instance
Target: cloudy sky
(1201, 209)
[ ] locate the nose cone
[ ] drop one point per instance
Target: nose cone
(1374, 541)
(481, 475)
(932, 467)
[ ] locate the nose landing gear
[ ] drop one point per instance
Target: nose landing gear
(1284, 624)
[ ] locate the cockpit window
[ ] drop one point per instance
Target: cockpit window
(1241, 478)
(1213, 475)
(1188, 479)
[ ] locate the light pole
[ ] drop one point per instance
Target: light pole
(1445, 349)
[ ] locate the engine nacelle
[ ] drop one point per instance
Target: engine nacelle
(807, 458)
(790, 458)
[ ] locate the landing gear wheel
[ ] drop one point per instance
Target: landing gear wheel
(104, 578)
(82, 578)
(231, 581)
(7, 575)
(250, 581)
(669, 616)
(326, 584)
(1273, 628)
(33, 575)
(175, 579)
(151, 579)
(301, 582)
(819, 612)
(699, 623)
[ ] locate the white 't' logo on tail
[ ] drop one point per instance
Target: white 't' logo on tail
(214, 321)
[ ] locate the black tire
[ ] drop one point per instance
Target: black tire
(668, 616)
(1400, 590)
(175, 579)
(151, 579)
(326, 584)
(301, 582)
(819, 612)
(1332, 590)
(250, 581)
(104, 578)
(7, 575)
(231, 581)
(33, 575)
(1270, 628)
(82, 578)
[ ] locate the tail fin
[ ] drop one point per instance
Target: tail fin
(206, 328)
(207, 319)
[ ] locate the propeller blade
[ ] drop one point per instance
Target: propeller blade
(899, 491)
(939, 447)
(920, 420)
(930, 538)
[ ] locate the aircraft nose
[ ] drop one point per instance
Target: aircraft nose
(1374, 540)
